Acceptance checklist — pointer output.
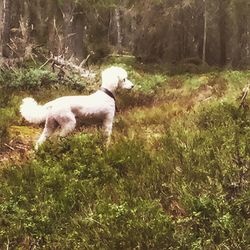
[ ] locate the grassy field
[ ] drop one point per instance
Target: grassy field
(176, 175)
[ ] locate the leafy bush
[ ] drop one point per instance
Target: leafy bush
(209, 157)
(8, 113)
(70, 196)
(26, 79)
(34, 79)
(138, 224)
(187, 189)
(190, 193)
(31, 78)
(7, 117)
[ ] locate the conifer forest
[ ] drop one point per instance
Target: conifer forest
(175, 172)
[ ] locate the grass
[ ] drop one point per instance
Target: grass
(175, 176)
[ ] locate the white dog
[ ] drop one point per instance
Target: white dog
(63, 112)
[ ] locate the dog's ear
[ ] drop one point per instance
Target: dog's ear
(110, 78)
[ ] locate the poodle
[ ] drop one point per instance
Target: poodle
(63, 112)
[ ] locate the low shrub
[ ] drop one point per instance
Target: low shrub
(209, 157)
(74, 194)
(187, 189)
(26, 79)
(8, 113)
(127, 100)
(191, 192)
(31, 79)
(138, 224)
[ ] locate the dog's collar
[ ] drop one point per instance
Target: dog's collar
(109, 93)
(106, 91)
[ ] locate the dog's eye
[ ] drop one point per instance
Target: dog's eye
(124, 79)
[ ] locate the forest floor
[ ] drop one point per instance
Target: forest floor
(22, 137)
(175, 176)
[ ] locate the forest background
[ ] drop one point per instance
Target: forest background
(216, 32)
(177, 172)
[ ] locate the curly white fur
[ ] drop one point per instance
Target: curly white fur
(32, 111)
(63, 112)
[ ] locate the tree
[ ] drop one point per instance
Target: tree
(204, 33)
(223, 31)
(6, 27)
(118, 28)
(1, 26)
(216, 32)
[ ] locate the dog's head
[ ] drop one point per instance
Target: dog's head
(116, 77)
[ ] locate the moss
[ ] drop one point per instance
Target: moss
(25, 133)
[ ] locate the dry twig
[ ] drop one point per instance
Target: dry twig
(245, 92)
(8, 146)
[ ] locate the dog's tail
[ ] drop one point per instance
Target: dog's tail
(33, 112)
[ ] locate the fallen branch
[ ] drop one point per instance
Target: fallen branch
(48, 60)
(13, 50)
(245, 92)
(8, 146)
(59, 60)
(84, 61)
(21, 147)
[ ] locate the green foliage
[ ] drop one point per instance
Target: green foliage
(8, 113)
(7, 118)
(191, 192)
(75, 186)
(237, 79)
(26, 79)
(149, 83)
(139, 224)
(210, 155)
(32, 79)
(170, 179)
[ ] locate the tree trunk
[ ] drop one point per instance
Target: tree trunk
(247, 23)
(204, 33)
(1, 26)
(68, 17)
(37, 17)
(79, 48)
(27, 24)
(132, 33)
(222, 30)
(54, 43)
(6, 27)
(118, 29)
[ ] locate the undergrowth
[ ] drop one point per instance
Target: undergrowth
(8, 113)
(174, 177)
(191, 191)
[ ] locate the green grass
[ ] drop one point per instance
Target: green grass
(174, 177)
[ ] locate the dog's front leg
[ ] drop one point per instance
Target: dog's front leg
(107, 125)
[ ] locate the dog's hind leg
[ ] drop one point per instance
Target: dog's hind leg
(68, 124)
(50, 127)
